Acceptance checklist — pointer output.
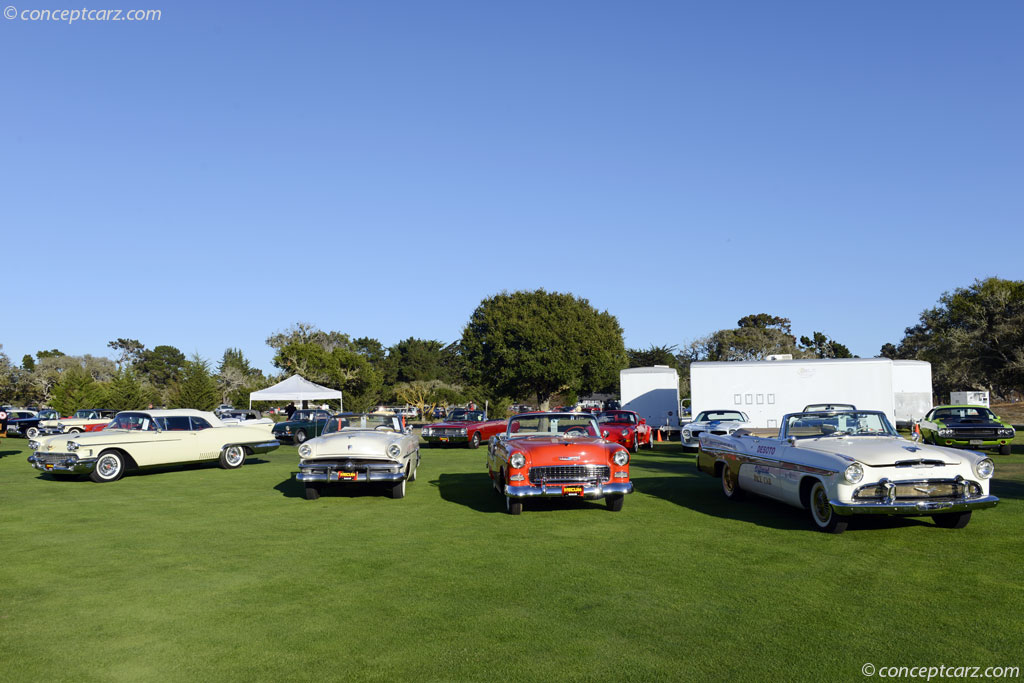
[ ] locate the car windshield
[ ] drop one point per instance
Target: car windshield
(567, 424)
(308, 415)
(338, 423)
(715, 415)
(844, 423)
(133, 421)
(85, 414)
(972, 412)
(463, 415)
(617, 416)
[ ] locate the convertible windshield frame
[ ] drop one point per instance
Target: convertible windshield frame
(842, 423)
(552, 424)
(355, 422)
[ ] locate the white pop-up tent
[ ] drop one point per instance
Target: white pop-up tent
(295, 388)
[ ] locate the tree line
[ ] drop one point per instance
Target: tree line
(528, 346)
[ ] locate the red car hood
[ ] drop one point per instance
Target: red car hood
(460, 423)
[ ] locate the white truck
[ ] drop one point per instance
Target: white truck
(767, 390)
(653, 393)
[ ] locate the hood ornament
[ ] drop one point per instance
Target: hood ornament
(569, 457)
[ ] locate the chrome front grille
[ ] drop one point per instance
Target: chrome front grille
(52, 458)
(570, 473)
(919, 490)
(975, 433)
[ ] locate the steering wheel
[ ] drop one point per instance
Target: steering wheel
(575, 431)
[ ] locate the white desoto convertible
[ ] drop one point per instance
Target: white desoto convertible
(359, 447)
(138, 439)
(841, 463)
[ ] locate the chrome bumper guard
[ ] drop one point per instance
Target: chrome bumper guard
(555, 490)
(919, 507)
(71, 463)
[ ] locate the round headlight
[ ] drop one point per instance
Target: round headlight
(1006, 432)
(72, 445)
(854, 473)
(620, 458)
(945, 432)
(517, 460)
(462, 431)
(394, 450)
(985, 468)
(305, 451)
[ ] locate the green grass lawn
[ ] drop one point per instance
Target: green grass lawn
(205, 574)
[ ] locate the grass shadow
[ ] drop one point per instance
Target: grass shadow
(703, 494)
(6, 453)
(292, 488)
(1007, 488)
(471, 489)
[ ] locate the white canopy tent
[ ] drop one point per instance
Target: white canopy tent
(295, 388)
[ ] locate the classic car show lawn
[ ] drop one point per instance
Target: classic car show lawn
(199, 573)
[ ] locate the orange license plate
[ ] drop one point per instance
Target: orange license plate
(347, 476)
(572, 491)
(49, 466)
(444, 439)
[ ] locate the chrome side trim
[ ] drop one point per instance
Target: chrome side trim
(744, 458)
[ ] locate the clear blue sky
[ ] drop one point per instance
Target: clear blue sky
(378, 168)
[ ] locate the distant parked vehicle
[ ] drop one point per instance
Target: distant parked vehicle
(973, 427)
(86, 420)
(304, 424)
(464, 427)
(29, 426)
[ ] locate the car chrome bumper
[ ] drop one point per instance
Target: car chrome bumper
(315, 472)
(461, 439)
(555, 490)
(69, 464)
(921, 507)
(264, 447)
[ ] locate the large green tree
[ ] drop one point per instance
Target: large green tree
(541, 343)
(754, 338)
(77, 388)
(161, 365)
(126, 390)
(819, 345)
(196, 388)
(331, 359)
(974, 339)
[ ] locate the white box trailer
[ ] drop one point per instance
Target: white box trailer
(653, 393)
(767, 390)
(969, 398)
(912, 390)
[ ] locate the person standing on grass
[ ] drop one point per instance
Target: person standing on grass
(289, 410)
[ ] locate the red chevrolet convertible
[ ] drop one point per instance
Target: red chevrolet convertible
(557, 455)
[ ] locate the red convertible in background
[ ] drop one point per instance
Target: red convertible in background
(627, 428)
(464, 427)
(557, 455)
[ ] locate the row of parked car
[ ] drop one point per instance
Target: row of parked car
(835, 462)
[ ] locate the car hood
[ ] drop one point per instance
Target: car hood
(982, 424)
(715, 424)
(880, 451)
(362, 444)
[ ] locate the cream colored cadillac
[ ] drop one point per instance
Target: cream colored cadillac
(357, 447)
(140, 439)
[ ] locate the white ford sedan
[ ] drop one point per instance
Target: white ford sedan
(140, 439)
(841, 463)
(360, 448)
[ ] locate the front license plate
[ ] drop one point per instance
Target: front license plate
(49, 466)
(444, 439)
(347, 476)
(572, 491)
(976, 442)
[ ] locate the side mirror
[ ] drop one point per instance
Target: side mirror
(605, 433)
(791, 440)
